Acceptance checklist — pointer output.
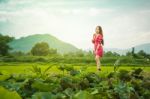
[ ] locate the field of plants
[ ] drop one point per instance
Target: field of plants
(44, 81)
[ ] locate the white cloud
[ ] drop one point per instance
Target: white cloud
(76, 25)
(123, 31)
(87, 11)
(99, 11)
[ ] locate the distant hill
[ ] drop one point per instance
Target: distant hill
(117, 50)
(25, 44)
(145, 47)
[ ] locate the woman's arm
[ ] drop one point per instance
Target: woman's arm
(100, 39)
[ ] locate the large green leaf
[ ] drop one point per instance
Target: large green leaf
(43, 95)
(6, 94)
(39, 85)
(3, 72)
(4, 77)
(20, 77)
(83, 95)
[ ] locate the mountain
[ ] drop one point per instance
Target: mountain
(145, 47)
(25, 44)
(117, 50)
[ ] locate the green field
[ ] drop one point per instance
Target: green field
(23, 67)
(65, 81)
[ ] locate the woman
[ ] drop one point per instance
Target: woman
(98, 48)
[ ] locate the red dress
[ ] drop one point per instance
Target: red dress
(98, 49)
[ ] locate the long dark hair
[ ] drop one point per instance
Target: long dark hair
(101, 32)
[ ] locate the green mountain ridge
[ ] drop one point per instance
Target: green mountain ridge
(145, 47)
(25, 44)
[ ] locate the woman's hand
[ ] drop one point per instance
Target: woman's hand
(97, 47)
(93, 41)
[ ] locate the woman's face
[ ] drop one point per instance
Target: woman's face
(97, 30)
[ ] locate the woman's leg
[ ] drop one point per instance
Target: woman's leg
(98, 63)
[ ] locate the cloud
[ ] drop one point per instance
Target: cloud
(100, 11)
(87, 11)
(124, 30)
(75, 22)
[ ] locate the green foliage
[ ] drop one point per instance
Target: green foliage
(65, 82)
(62, 68)
(74, 72)
(4, 47)
(6, 94)
(116, 65)
(83, 95)
(4, 75)
(41, 49)
(43, 95)
(37, 70)
(79, 53)
(123, 90)
(124, 75)
(18, 53)
(93, 78)
(137, 73)
(129, 54)
(141, 53)
(26, 43)
(67, 68)
(110, 54)
(73, 60)
(40, 84)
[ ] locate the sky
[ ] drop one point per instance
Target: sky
(125, 23)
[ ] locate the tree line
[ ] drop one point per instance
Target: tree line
(43, 49)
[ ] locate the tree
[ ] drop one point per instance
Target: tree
(132, 51)
(89, 54)
(129, 53)
(109, 53)
(115, 54)
(4, 47)
(52, 51)
(17, 53)
(40, 49)
(79, 53)
(141, 53)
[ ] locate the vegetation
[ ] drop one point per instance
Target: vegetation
(41, 52)
(71, 75)
(25, 44)
(42, 49)
(75, 83)
(4, 47)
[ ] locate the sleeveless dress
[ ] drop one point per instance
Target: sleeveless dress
(98, 49)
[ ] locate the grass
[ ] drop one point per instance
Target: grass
(24, 68)
(44, 85)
